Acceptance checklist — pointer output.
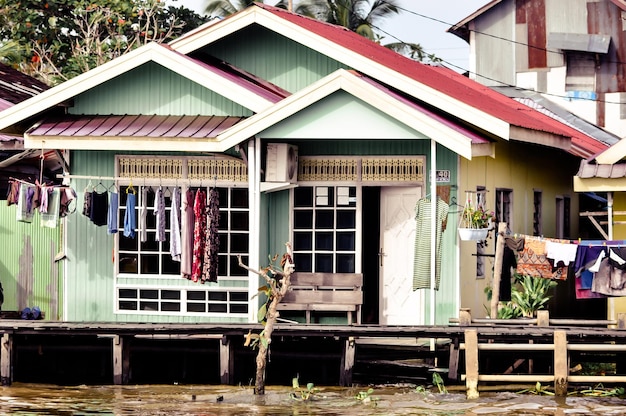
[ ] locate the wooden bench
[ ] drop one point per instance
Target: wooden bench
(325, 292)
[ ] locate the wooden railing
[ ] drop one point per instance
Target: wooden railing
(562, 336)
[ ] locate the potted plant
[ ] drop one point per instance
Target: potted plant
(475, 223)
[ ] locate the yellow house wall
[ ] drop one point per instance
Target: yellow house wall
(523, 168)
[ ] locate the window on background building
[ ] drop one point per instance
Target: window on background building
(324, 228)
(481, 246)
(504, 205)
(563, 210)
(537, 222)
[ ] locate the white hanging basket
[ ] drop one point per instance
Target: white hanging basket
(473, 234)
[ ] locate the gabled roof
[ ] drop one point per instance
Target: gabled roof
(438, 87)
(242, 90)
(419, 118)
(461, 29)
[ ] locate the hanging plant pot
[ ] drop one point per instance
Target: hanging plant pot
(473, 234)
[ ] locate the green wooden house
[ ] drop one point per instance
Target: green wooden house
(309, 134)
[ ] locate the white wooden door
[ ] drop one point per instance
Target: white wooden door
(399, 304)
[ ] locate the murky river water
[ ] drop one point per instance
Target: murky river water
(37, 399)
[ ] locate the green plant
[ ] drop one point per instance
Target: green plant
(476, 217)
(302, 394)
(366, 396)
(600, 391)
(438, 381)
(538, 390)
(533, 296)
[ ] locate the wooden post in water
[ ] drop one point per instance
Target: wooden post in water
(6, 355)
(497, 270)
(347, 362)
(561, 365)
(226, 361)
(471, 363)
(121, 360)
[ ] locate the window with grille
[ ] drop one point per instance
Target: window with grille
(151, 259)
(324, 228)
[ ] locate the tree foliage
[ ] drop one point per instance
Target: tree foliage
(59, 39)
(361, 16)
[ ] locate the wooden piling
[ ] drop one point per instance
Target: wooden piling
(6, 355)
(561, 363)
(347, 362)
(227, 364)
(121, 360)
(497, 270)
(471, 363)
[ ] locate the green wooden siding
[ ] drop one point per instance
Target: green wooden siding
(275, 211)
(29, 274)
(90, 267)
(273, 57)
(154, 89)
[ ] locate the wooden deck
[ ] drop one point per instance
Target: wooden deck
(468, 346)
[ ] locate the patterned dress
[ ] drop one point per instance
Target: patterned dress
(211, 248)
(199, 235)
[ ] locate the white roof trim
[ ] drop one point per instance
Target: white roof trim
(613, 154)
(352, 84)
(154, 52)
(359, 62)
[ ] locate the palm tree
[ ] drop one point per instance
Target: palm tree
(223, 8)
(360, 16)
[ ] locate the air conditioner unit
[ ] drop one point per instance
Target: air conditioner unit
(281, 163)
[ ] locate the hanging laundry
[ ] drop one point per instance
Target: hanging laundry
(175, 242)
(561, 253)
(199, 235)
(130, 216)
(68, 202)
(421, 261)
(87, 203)
(50, 218)
(112, 213)
(44, 193)
(610, 278)
(13, 193)
(99, 208)
(587, 257)
(143, 215)
(159, 212)
(533, 261)
(25, 208)
(209, 271)
(187, 231)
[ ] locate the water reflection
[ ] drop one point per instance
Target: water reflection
(37, 399)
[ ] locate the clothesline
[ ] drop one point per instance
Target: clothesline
(141, 180)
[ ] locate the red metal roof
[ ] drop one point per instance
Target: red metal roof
(200, 127)
(473, 136)
(446, 81)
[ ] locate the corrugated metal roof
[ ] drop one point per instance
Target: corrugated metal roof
(151, 126)
(474, 137)
(16, 87)
(446, 81)
(590, 169)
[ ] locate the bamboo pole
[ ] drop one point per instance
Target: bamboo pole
(497, 270)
